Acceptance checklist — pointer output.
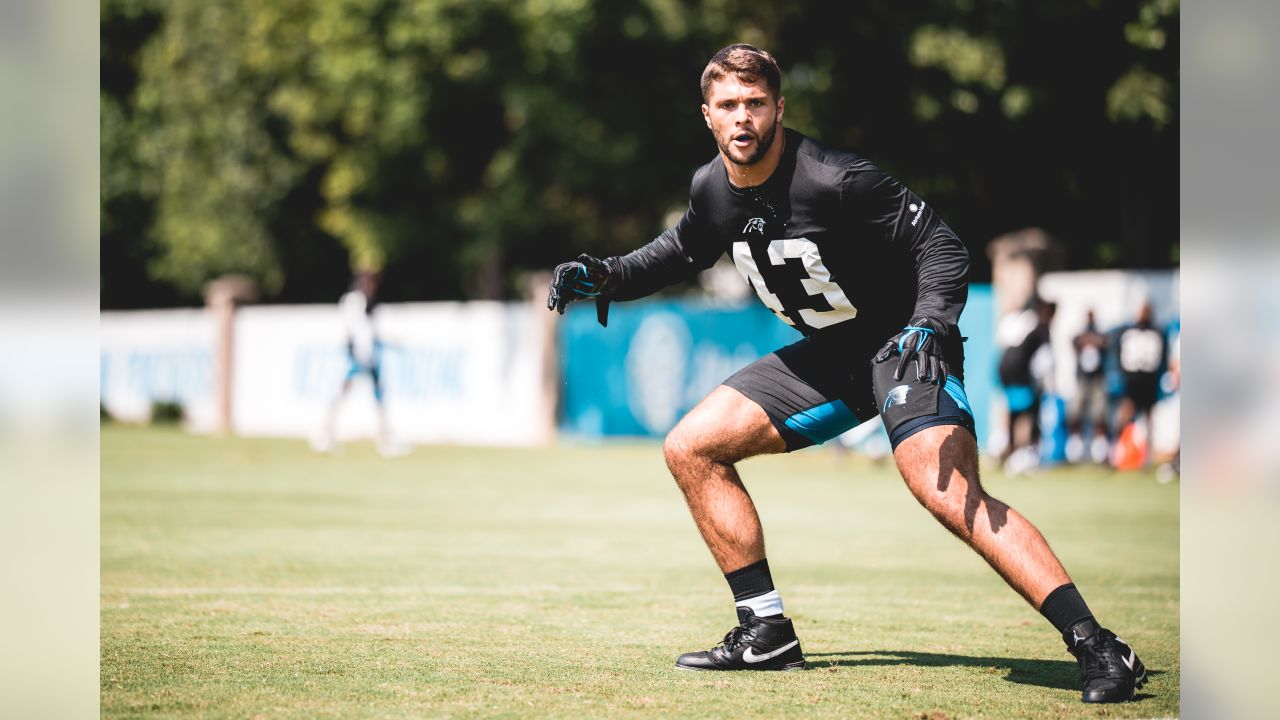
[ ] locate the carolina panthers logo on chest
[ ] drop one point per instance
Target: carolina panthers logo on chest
(755, 225)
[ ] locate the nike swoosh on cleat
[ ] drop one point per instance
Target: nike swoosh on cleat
(1128, 661)
(750, 655)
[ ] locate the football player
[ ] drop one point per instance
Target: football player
(874, 279)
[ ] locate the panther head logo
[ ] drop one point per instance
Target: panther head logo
(754, 224)
(896, 396)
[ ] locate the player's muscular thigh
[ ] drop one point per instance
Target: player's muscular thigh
(725, 427)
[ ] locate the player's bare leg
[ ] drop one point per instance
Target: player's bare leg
(701, 451)
(940, 466)
(724, 428)
(325, 439)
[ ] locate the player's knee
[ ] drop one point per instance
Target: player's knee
(685, 446)
(940, 503)
(953, 499)
(678, 448)
(958, 510)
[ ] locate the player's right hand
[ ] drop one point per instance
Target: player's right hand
(586, 277)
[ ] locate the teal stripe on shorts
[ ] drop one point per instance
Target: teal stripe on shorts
(823, 422)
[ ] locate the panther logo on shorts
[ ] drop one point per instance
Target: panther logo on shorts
(896, 396)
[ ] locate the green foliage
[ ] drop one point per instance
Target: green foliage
(1143, 93)
(458, 143)
(969, 60)
(167, 413)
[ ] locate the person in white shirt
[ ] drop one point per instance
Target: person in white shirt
(364, 355)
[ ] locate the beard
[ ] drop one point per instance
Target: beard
(764, 141)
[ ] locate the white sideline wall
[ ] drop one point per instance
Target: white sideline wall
(150, 356)
(466, 373)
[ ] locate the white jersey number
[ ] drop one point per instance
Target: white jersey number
(1140, 350)
(818, 283)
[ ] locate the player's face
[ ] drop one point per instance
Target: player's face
(743, 118)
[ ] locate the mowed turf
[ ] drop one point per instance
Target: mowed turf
(254, 578)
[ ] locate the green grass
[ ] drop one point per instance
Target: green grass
(253, 578)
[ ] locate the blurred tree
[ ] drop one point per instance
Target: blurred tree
(125, 249)
(460, 143)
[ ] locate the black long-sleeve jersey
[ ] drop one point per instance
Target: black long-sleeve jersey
(830, 243)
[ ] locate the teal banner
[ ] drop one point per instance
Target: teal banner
(658, 358)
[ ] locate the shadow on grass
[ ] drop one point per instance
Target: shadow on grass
(1058, 674)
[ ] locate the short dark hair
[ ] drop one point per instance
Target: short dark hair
(748, 62)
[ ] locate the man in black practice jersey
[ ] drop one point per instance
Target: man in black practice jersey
(875, 281)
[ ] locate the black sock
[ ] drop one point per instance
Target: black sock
(1064, 607)
(750, 581)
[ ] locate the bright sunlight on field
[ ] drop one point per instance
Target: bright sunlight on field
(246, 578)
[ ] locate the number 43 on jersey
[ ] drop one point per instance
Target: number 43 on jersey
(788, 292)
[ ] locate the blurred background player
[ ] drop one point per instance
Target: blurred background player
(364, 357)
(1140, 350)
(1166, 435)
(1023, 367)
(1087, 414)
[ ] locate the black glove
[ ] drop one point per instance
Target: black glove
(585, 277)
(921, 340)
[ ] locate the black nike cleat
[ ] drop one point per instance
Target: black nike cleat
(767, 643)
(1109, 668)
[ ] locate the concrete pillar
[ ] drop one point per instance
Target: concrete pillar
(1018, 259)
(221, 297)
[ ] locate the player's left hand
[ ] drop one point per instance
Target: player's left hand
(585, 277)
(921, 341)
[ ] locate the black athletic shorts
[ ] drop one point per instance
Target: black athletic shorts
(813, 392)
(1142, 389)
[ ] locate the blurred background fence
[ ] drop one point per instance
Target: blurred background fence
(505, 373)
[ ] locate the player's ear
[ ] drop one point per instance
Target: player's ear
(781, 101)
(706, 114)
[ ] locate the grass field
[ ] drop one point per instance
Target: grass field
(253, 578)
